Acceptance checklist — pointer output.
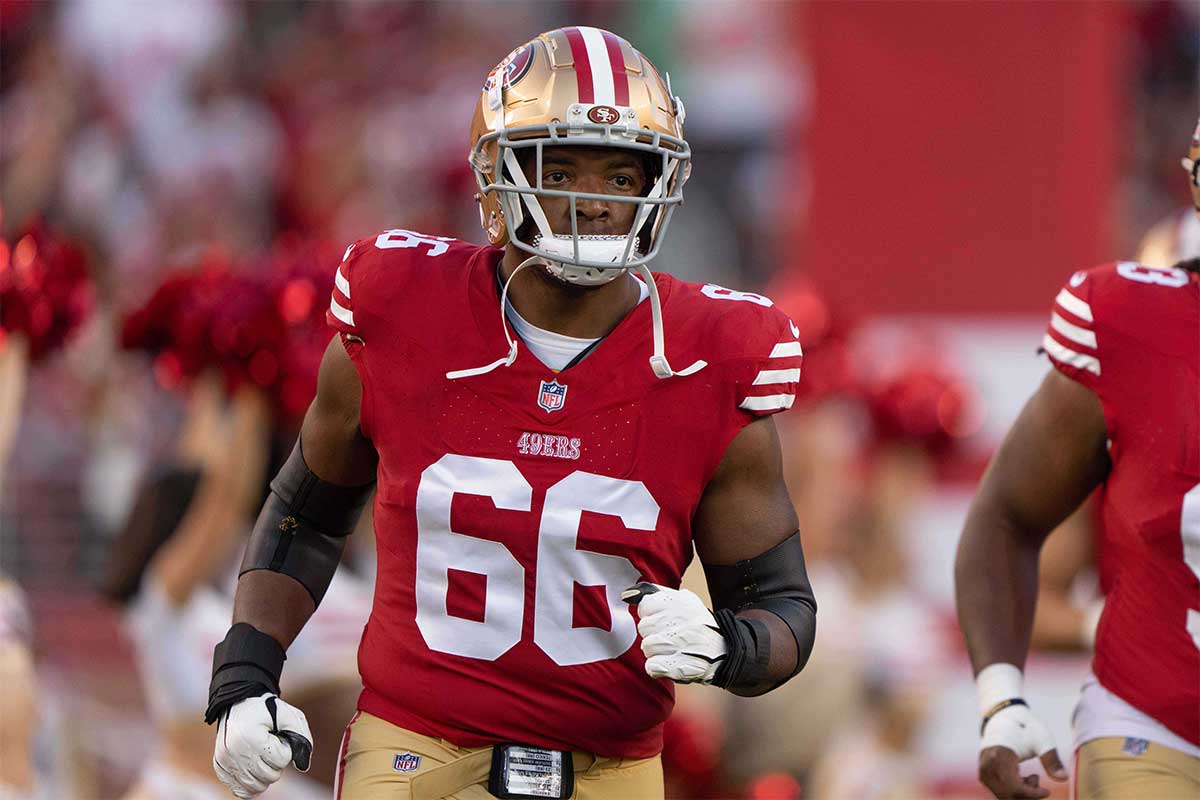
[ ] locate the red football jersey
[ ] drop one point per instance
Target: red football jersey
(514, 506)
(1131, 334)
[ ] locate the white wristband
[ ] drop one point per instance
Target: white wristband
(996, 683)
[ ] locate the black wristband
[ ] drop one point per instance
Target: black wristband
(996, 709)
(246, 663)
(748, 654)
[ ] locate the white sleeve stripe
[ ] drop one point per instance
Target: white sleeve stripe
(784, 349)
(1068, 356)
(344, 314)
(776, 376)
(348, 249)
(1073, 332)
(343, 285)
(771, 402)
(1073, 304)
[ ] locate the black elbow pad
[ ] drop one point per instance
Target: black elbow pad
(302, 528)
(774, 581)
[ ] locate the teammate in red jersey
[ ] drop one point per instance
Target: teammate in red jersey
(539, 494)
(1121, 410)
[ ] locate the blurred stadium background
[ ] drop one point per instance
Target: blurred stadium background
(911, 181)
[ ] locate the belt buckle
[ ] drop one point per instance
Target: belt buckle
(523, 771)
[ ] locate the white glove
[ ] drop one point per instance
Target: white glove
(256, 738)
(680, 637)
(1019, 730)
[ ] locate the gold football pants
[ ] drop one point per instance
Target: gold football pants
(380, 761)
(1131, 769)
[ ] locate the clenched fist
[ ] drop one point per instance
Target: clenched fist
(256, 738)
(680, 637)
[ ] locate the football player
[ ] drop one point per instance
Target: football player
(1119, 411)
(553, 428)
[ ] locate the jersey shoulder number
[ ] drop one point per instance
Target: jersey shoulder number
(378, 272)
(1101, 310)
(756, 341)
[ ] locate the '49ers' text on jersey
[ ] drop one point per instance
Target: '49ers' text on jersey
(1131, 334)
(513, 506)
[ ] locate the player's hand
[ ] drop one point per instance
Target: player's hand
(1013, 735)
(256, 738)
(680, 637)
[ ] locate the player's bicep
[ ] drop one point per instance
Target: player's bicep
(745, 509)
(1053, 456)
(332, 438)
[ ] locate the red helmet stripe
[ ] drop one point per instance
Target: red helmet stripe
(620, 77)
(583, 65)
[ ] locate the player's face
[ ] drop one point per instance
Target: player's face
(596, 170)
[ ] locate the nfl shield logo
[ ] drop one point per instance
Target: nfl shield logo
(1136, 747)
(552, 395)
(406, 762)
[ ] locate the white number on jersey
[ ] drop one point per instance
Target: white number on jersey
(390, 240)
(1162, 276)
(721, 293)
(560, 563)
(1189, 529)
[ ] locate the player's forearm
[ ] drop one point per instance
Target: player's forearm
(787, 650)
(996, 584)
(275, 604)
(766, 606)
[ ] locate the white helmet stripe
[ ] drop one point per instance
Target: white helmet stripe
(603, 91)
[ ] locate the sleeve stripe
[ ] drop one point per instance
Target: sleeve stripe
(1067, 356)
(343, 285)
(771, 402)
(1073, 304)
(348, 249)
(344, 314)
(784, 349)
(777, 376)
(1075, 333)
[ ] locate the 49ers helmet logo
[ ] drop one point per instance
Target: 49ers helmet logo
(603, 115)
(512, 68)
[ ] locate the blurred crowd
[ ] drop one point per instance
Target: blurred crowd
(235, 148)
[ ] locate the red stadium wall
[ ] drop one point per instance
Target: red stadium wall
(963, 156)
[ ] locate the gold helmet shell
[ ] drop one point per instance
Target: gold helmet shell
(575, 86)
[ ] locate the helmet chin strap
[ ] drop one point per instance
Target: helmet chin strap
(508, 360)
(658, 361)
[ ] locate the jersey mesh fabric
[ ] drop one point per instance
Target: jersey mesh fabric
(514, 506)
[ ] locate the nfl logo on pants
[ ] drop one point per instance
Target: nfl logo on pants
(406, 762)
(552, 395)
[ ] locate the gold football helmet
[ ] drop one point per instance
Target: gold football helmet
(1192, 164)
(576, 86)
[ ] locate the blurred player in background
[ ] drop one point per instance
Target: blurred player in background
(1119, 412)
(524, 501)
(45, 295)
(166, 568)
(171, 568)
(18, 696)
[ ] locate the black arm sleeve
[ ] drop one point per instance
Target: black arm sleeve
(774, 581)
(303, 526)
